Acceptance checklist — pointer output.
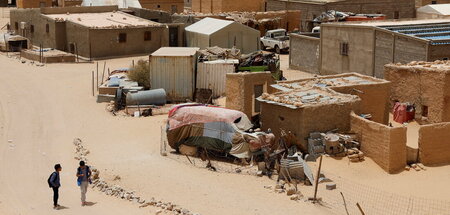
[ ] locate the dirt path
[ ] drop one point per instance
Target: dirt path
(43, 108)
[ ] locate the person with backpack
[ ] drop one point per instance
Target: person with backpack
(83, 179)
(54, 183)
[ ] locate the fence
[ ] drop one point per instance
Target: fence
(376, 201)
(372, 200)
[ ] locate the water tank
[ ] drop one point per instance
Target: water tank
(147, 97)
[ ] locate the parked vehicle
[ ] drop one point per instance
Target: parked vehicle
(275, 39)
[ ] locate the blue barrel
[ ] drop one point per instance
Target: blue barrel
(147, 97)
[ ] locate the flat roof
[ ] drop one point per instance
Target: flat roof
(208, 25)
(341, 80)
(175, 51)
(315, 1)
(435, 30)
(442, 9)
(439, 65)
(110, 20)
(300, 98)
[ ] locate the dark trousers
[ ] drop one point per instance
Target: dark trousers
(55, 195)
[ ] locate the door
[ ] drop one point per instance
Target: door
(257, 92)
(173, 36)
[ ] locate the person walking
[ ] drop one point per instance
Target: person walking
(83, 179)
(54, 183)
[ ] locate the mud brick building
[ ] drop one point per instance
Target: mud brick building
(217, 6)
(393, 9)
(92, 32)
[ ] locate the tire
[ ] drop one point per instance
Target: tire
(277, 49)
(262, 46)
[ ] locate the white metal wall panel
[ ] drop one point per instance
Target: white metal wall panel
(173, 74)
(213, 76)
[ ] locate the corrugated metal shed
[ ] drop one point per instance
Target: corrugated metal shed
(173, 69)
(120, 3)
(212, 75)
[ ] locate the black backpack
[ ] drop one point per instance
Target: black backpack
(48, 180)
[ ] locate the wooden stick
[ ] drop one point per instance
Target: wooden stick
(103, 74)
(360, 209)
(97, 75)
(93, 83)
(317, 180)
(345, 203)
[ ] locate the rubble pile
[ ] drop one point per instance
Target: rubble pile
(336, 145)
(122, 193)
(288, 188)
(215, 52)
(415, 166)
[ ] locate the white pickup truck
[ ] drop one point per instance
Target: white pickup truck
(275, 39)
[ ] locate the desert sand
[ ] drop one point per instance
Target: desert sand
(42, 109)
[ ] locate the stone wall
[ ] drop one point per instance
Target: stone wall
(240, 90)
(383, 144)
(305, 53)
(434, 144)
(171, 6)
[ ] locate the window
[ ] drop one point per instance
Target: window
(147, 36)
(16, 26)
(344, 48)
(32, 28)
(174, 8)
(122, 38)
(47, 28)
(425, 111)
(158, 6)
(433, 2)
(396, 15)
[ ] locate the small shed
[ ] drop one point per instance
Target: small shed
(210, 32)
(212, 75)
(433, 11)
(173, 69)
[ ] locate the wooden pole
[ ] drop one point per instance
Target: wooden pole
(97, 76)
(76, 50)
(133, 63)
(103, 73)
(317, 179)
(109, 73)
(93, 83)
(360, 209)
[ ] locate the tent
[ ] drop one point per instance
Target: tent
(210, 32)
(433, 11)
(214, 128)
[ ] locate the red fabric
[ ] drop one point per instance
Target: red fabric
(401, 114)
(399, 111)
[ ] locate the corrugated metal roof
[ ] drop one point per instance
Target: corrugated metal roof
(120, 3)
(176, 51)
(208, 26)
(442, 9)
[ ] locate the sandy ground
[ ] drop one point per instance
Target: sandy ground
(43, 108)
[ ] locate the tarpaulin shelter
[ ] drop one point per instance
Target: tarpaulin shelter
(213, 128)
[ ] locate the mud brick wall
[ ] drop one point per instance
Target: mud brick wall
(434, 144)
(421, 86)
(384, 145)
(239, 89)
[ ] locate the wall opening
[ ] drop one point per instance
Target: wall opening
(147, 36)
(396, 15)
(72, 48)
(424, 111)
(173, 36)
(174, 8)
(343, 48)
(31, 28)
(47, 28)
(257, 92)
(122, 38)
